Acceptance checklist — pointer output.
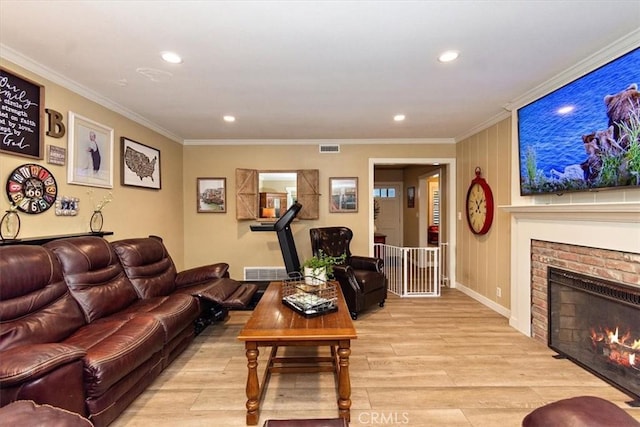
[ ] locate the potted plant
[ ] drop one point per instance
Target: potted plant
(320, 267)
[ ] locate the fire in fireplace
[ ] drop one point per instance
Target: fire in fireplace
(596, 324)
(619, 350)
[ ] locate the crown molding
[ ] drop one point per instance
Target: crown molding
(319, 141)
(29, 64)
(484, 125)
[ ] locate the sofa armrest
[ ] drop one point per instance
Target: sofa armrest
(201, 274)
(344, 274)
(33, 361)
(366, 263)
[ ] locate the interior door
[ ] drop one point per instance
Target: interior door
(389, 221)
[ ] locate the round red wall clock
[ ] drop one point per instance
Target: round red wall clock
(479, 205)
(32, 188)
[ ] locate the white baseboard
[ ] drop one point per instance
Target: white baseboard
(484, 300)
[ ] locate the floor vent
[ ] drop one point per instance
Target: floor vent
(265, 273)
(329, 148)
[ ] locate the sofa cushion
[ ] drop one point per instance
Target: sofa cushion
(174, 312)
(147, 265)
(115, 348)
(35, 304)
(94, 275)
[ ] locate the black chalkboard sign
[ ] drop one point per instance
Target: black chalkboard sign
(21, 115)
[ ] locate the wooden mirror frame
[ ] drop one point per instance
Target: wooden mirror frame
(248, 194)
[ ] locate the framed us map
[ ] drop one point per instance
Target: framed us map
(140, 165)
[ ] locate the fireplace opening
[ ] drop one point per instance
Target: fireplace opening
(596, 324)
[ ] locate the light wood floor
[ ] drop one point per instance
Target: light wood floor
(448, 361)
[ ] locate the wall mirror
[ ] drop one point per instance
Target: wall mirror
(278, 191)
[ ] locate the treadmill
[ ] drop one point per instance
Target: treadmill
(282, 227)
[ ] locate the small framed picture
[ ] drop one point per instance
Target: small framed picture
(212, 195)
(343, 194)
(140, 165)
(56, 155)
(90, 153)
(411, 197)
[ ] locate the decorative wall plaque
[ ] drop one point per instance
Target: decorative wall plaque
(32, 188)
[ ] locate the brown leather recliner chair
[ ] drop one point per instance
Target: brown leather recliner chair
(361, 278)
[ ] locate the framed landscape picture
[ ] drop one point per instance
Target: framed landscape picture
(212, 195)
(140, 165)
(343, 195)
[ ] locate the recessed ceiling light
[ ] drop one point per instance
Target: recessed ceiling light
(172, 57)
(229, 119)
(448, 56)
(399, 117)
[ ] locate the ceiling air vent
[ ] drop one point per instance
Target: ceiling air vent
(329, 148)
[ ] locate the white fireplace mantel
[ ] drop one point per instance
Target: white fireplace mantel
(616, 212)
(613, 226)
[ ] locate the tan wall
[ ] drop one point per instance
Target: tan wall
(388, 175)
(197, 238)
(483, 261)
(134, 212)
(220, 237)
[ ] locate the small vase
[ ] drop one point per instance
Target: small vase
(10, 225)
(96, 222)
(315, 276)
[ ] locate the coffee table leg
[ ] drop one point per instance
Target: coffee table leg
(344, 382)
(253, 385)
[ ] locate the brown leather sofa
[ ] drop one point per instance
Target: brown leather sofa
(321, 422)
(28, 413)
(361, 278)
(580, 411)
(85, 332)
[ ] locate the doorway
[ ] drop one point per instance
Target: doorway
(446, 205)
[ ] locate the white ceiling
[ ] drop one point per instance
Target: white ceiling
(309, 69)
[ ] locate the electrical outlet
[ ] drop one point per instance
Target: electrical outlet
(459, 216)
(498, 292)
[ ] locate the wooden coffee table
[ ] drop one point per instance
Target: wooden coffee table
(274, 325)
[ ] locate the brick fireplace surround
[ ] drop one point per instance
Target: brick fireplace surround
(589, 238)
(618, 266)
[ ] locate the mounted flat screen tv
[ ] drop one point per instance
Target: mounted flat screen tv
(584, 136)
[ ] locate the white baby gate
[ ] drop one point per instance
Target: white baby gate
(414, 272)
